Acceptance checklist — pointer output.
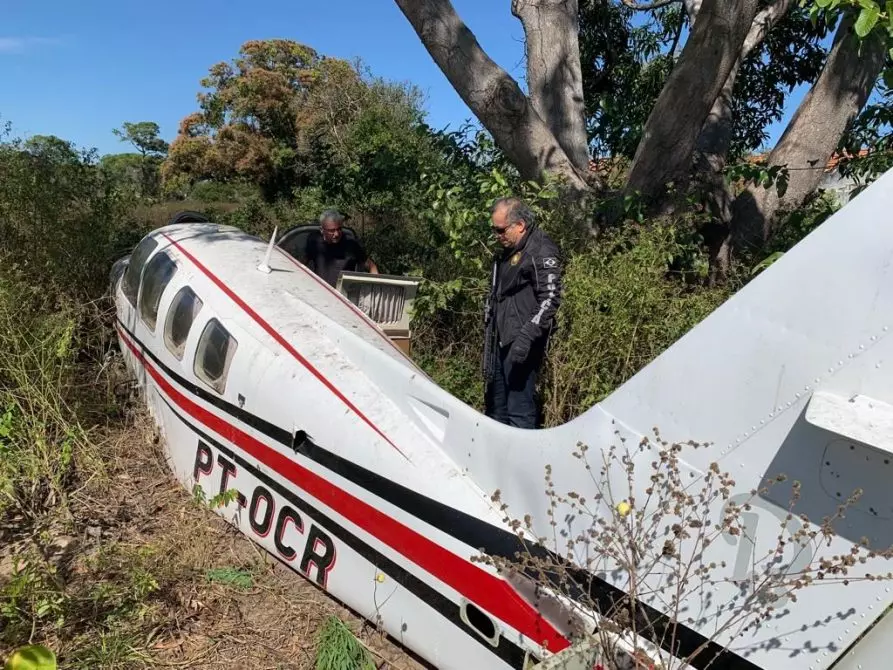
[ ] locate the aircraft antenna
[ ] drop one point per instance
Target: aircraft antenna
(265, 265)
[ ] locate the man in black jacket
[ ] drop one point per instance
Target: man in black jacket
(525, 291)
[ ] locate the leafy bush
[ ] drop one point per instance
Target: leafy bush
(62, 220)
(623, 305)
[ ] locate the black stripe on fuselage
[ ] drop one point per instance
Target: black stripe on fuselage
(491, 540)
(506, 650)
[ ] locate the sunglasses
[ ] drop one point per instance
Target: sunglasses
(500, 231)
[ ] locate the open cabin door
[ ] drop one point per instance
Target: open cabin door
(386, 299)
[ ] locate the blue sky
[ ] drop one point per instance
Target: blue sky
(79, 69)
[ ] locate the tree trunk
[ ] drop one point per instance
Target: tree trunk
(554, 76)
(826, 112)
(716, 135)
(715, 139)
(672, 129)
(488, 90)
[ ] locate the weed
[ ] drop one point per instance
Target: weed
(656, 544)
(41, 439)
(339, 649)
(32, 598)
(107, 649)
(231, 577)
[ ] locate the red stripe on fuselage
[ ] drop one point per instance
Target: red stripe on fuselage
(482, 588)
(282, 341)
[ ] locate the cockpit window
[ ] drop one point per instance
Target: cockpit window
(131, 282)
(216, 349)
(158, 274)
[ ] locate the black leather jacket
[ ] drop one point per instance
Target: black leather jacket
(525, 292)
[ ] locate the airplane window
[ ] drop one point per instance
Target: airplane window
(131, 282)
(215, 351)
(157, 275)
(183, 310)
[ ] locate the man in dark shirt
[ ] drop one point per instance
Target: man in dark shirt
(525, 292)
(327, 253)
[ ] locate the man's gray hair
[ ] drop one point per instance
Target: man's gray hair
(516, 210)
(331, 215)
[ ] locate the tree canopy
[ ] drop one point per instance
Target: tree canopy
(283, 116)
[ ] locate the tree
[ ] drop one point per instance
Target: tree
(246, 128)
(144, 136)
(52, 150)
(365, 139)
(626, 63)
(284, 117)
(126, 170)
(517, 121)
(729, 81)
(752, 97)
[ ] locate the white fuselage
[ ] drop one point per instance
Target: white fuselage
(351, 466)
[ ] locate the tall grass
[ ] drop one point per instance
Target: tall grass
(42, 442)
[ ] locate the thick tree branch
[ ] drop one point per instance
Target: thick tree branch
(716, 139)
(763, 23)
(489, 91)
(554, 76)
(675, 122)
(827, 110)
(716, 136)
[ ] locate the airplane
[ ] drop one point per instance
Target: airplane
(323, 442)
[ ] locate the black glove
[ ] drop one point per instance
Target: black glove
(520, 350)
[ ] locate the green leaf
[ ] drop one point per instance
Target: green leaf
(823, 3)
(868, 18)
(32, 657)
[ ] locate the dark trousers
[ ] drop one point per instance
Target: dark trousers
(510, 397)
